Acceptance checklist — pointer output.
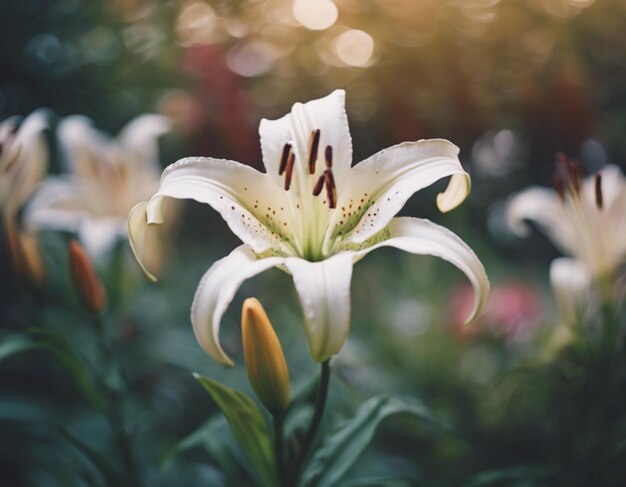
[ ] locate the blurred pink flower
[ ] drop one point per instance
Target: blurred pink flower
(513, 312)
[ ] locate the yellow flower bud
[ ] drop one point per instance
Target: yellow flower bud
(86, 280)
(264, 358)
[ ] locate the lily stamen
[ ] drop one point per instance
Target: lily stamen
(567, 177)
(289, 170)
(283, 159)
(329, 156)
(599, 196)
(314, 144)
(317, 247)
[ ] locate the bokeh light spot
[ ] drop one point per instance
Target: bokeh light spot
(354, 47)
(315, 14)
(196, 24)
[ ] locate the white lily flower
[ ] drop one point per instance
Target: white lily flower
(23, 164)
(107, 177)
(586, 220)
(313, 215)
(23, 159)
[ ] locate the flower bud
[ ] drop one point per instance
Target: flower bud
(264, 358)
(86, 280)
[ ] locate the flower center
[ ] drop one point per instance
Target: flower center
(584, 210)
(311, 194)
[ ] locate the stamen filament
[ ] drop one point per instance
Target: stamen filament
(314, 144)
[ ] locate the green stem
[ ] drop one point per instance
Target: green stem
(320, 404)
(279, 421)
(115, 392)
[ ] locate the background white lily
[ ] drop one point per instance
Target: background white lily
(23, 164)
(313, 215)
(587, 221)
(107, 177)
(23, 159)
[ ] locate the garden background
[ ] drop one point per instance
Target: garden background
(510, 82)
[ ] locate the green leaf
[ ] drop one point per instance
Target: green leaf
(378, 481)
(341, 448)
(248, 427)
(59, 348)
(201, 437)
(520, 476)
(95, 457)
(14, 344)
(222, 448)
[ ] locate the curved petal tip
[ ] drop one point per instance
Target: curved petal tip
(137, 228)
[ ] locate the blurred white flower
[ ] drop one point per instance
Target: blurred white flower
(107, 177)
(23, 159)
(23, 164)
(313, 215)
(586, 220)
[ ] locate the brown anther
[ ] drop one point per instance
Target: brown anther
(283, 159)
(567, 176)
(317, 189)
(314, 143)
(330, 188)
(328, 174)
(289, 170)
(329, 156)
(599, 197)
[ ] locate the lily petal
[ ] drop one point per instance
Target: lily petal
(245, 198)
(215, 292)
(542, 206)
(324, 290)
(85, 148)
(137, 230)
(140, 136)
(613, 183)
(99, 235)
(58, 204)
(612, 216)
(26, 162)
(62, 203)
(571, 283)
(380, 185)
(327, 114)
(420, 236)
